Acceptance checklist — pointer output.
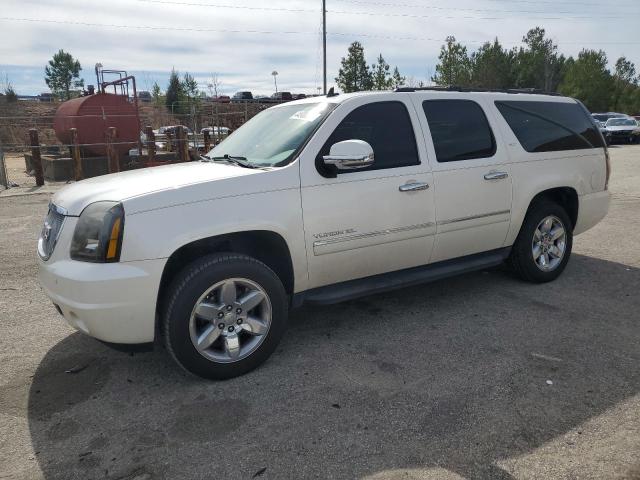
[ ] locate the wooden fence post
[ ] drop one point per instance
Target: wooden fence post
(75, 154)
(36, 160)
(207, 141)
(169, 143)
(151, 144)
(112, 152)
(183, 145)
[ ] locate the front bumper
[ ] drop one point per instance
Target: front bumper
(113, 302)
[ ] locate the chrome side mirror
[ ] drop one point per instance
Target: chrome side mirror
(350, 155)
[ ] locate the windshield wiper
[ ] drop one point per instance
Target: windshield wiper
(235, 159)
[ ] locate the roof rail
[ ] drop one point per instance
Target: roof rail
(454, 88)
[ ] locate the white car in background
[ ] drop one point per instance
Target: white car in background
(622, 130)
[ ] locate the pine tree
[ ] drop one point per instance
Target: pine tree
(156, 93)
(398, 80)
(381, 74)
(354, 74)
(175, 93)
(454, 67)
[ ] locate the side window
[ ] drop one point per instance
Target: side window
(460, 130)
(386, 126)
(550, 126)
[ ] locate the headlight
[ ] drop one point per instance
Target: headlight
(98, 234)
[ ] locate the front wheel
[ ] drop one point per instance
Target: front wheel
(225, 316)
(543, 247)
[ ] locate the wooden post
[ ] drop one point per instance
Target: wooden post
(75, 154)
(36, 160)
(151, 144)
(207, 141)
(112, 152)
(169, 143)
(182, 147)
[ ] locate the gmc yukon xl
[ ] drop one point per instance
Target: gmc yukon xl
(318, 201)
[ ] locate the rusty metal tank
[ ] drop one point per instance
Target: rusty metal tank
(92, 116)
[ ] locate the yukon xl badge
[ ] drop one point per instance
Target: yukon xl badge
(337, 233)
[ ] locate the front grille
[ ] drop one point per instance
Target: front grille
(50, 231)
(621, 133)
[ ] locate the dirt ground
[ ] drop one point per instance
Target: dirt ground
(478, 376)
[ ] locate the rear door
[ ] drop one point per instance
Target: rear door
(472, 175)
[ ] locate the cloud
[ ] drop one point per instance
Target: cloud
(203, 38)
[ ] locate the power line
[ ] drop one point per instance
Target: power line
(405, 15)
(273, 32)
(412, 5)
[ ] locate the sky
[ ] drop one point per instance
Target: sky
(244, 41)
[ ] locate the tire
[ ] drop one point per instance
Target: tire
(206, 283)
(522, 259)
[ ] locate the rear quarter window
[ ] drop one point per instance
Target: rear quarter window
(550, 126)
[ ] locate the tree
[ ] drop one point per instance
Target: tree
(190, 86)
(492, 66)
(214, 85)
(381, 74)
(625, 86)
(62, 72)
(538, 64)
(156, 93)
(175, 94)
(454, 66)
(397, 80)
(7, 89)
(588, 80)
(354, 74)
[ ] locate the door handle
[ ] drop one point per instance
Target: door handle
(496, 176)
(413, 187)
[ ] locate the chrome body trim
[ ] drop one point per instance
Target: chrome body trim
(413, 187)
(474, 217)
(359, 236)
(496, 176)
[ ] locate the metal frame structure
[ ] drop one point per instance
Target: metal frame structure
(121, 87)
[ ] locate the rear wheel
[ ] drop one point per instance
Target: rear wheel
(543, 247)
(225, 316)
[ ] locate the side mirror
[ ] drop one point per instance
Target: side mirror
(350, 155)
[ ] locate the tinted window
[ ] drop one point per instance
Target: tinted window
(386, 126)
(459, 129)
(550, 126)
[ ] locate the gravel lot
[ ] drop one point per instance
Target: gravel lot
(479, 376)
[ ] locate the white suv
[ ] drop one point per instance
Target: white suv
(318, 201)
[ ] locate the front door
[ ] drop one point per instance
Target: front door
(374, 220)
(472, 176)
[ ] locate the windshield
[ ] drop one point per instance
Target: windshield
(273, 137)
(621, 122)
(601, 118)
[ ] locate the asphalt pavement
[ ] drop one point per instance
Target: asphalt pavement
(478, 376)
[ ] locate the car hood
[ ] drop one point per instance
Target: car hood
(119, 187)
(627, 128)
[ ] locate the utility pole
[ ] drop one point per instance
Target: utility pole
(275, 74)
(324, 46)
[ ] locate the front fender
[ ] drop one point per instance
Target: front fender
(158, 233)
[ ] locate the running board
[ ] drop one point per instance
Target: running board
(361, 287)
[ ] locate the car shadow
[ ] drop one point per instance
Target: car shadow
(451, 375)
